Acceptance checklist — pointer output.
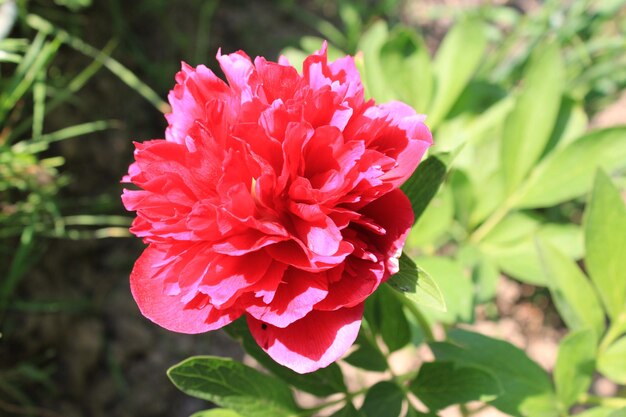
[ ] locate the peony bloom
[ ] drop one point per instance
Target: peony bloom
(274, 195)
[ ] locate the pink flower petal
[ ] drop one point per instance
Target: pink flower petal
(311, 343)
(169, 311)
(295, 298)
(274, 194)
(360, 278)
(194, 87)
(239, 71)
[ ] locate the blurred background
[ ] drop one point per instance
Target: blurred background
(81, 79)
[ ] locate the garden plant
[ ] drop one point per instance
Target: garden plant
(358, 200)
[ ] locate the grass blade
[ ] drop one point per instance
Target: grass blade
(123, 73)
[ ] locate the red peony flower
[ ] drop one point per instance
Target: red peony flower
(275, 196)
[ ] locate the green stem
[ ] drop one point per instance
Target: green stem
(123, 73)
(401, 379)
(617, 328)
(495, 218)
(611, 402)
(348, 397)
(417, 314)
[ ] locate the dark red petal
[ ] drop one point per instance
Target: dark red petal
(147, 285)
(311, 343)
(359, 280)
(393, 212)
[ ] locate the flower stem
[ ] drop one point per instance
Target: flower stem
(419, 317)
(617, 328)
(495, 218)
(348, 397)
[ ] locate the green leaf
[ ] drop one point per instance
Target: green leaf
(573, 294)
(456, 287)
(571, 123)
(612, 362)
(417, 285)
(74, 5)
(471, 130)
(422, 186)
(465, 42)
(618, 413)
(407, 68)
(233, 385)
(521, 262)
(485, 273)
(485, 276)
(575, 364)
(434, 221)
(568, 173)
(367, 356)
(35, 60)
(323, 382)
(21, 262)
(370, 44)
(464, 196)
(441, 384)
(216, 412)
(383, 399)
(605, 239)
(597, 412)
(392, 323)
(511, 245)
(528, 127)
(527, 389)
(511, 229)
(491, 197)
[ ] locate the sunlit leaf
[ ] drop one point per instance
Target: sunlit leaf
(417, 285)
(605, 239)
(465, 43)
(612, 362)
(231, 384)
(568, 173)
(456, 287)
(575, 365)
(573, 294)
(422, 186)
(528, 127)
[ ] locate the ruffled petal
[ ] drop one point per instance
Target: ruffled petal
(240, 73)
(274, 194)
(195, 86)
(392, 212)
(311, 343)
(148, 286)
(359, 279)
(294, 299)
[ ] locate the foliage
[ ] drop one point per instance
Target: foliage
(518, 184)
(502, 192)
(32, 210)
